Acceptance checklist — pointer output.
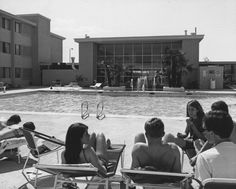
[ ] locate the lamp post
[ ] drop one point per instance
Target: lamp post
(70, 49)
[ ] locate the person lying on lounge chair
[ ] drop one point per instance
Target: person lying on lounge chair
(154, 153)
(81, 147)
(10, 128)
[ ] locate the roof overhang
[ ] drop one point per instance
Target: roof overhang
(139, 38)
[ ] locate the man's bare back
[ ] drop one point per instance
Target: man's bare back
(163, 157)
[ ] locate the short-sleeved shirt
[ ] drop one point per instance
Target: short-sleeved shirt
(217, 162)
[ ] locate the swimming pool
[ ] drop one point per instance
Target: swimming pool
(118, 105)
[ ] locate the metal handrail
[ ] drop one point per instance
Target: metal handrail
(84, 113)
(100, 115)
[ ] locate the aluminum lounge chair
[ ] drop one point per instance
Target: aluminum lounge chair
(79, 173)
(10, 147)
(155, 179)
(49, 145)
(219, 183)
(96, 86)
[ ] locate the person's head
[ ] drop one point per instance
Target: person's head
(220, 105)
(14, 119)
(154, 128)
(29, 125)
(76, 136)
(218, 126)
(194, 109)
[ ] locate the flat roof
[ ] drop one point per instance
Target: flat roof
(139, 38)
(57, 36)
(17, 17)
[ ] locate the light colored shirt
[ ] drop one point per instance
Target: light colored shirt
(217, 162)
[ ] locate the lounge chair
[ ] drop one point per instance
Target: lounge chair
(153, 178)
(10, 147)
(96, 86)
(219, 183)
(79, 173)
(2, 87)
(49, 145)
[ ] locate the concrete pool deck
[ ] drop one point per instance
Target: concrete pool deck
(120, 129)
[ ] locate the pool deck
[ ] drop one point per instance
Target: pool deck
(56, 124)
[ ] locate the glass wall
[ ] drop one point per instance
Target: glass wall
(129, 63)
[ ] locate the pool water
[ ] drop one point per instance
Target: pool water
(117, 105)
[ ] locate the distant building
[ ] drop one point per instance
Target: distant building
(223, 73)
(26, 47)
(135, 57)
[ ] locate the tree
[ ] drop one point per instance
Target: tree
(175, 65)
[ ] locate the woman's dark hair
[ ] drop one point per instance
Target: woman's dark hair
(197, 105)
(73, 142)
(29, 126)
(220, 105)
(220, 122)
(14, 119)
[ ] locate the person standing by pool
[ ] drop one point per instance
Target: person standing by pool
(81, 147)
(193, 131)
(219, 161)
(154, 152)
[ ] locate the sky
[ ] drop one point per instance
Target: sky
(215, 19)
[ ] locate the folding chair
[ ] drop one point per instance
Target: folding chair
(219, 183)
(36, 151)
(79, 173)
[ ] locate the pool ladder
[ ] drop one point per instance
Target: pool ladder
(85, 112)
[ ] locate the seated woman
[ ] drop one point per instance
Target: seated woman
(189, 141)
(81, 147)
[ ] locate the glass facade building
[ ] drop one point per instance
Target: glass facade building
(132, 61)
(128, 61)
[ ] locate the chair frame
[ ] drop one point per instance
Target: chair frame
(32, 145)
(130, 183)
(79, 173)
(211, 183)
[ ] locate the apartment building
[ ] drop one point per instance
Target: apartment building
(26, 46)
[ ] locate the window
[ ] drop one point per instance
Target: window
(5, 47)
(18, 49)
(27, 73)
(17, 72)
(6, 23)
(5, 72)
(17, 27)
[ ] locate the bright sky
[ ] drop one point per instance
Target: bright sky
(216, 19)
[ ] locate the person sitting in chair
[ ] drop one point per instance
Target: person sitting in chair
(154, 153)
(218, 161)
(81, 147)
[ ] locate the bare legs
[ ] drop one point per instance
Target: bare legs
(139, 138)
(98, 142)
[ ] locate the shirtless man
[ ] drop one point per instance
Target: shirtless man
(155, 153)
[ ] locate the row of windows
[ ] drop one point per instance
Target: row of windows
(6, 24)
(24, 73)
(5, 47)
(137, 49)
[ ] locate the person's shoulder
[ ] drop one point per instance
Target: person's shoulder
(140, 146)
